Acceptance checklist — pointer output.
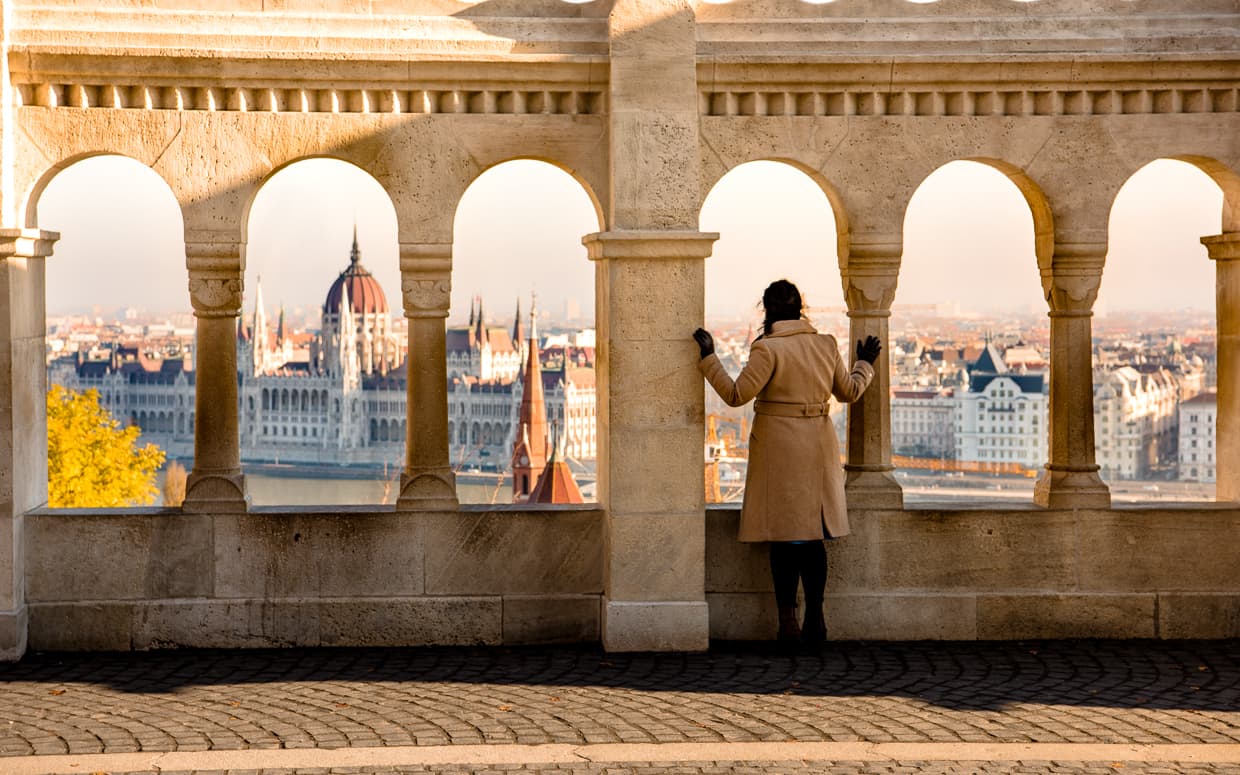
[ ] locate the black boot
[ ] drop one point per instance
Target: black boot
(814, 580)
(789, 631)
(785, 574)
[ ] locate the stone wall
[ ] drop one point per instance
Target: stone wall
(114, 581)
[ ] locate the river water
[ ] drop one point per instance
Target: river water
(266, 490)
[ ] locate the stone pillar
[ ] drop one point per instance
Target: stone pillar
(427, 483)
(651, 434)
(1071, 479)
(869, 289)
(23, 416)
(215, 284)
(1224, 249)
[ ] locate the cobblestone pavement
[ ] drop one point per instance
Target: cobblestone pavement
(1050, 692)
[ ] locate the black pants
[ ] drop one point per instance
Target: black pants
(799, 561)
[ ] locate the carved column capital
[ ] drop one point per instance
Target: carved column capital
(26, 243)
(426, 279)
(1070, 284)
(1223, 247)
(870, 273)
(216, 279)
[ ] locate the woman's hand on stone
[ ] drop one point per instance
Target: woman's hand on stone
(869, 349)
(705, 342)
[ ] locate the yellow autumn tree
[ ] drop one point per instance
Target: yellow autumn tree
(92, 462)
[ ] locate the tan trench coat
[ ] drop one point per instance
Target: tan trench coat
(794, 486)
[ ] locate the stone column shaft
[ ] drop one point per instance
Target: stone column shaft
(1071, 479)
(215, 287)
(651, 434)
(23, 416)
(1224, 249)
(870, 279)
(427, 483)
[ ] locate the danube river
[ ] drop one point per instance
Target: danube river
(267, 490)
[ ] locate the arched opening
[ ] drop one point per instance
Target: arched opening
(1155, 343)
(774, 221)
(522, 315)
(119, 320)
(322, 317)
(970, 341)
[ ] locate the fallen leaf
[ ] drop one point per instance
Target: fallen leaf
(57, 692)
(1202, 667)
(555, 699)
(505, 708)
(342, 705)
(234, 704)
(233, 718)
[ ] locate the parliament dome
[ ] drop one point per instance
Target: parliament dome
(366, 297)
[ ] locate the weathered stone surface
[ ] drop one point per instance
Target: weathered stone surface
(13, 634)
(1014, 617)
(117, 556)
(656, 556)
(445, 621)
(892, 616)
(353, 554)
(976, 550)
(1198, 615)
(1173, 549)
(655, 626)
(551, 619)
(94, 626)
(552, 552)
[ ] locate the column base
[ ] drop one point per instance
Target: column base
(215, 492)
(873, 490)
(1071, 490)
(431, 489)
(644, 625)
(13, 629)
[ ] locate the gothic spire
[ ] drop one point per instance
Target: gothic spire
(355, 254)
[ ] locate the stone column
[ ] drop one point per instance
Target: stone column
(651, 434)
(427, 483)
(869, 289)
(1224, 249)
(1071, 479)
(23, 416)
(215, 284)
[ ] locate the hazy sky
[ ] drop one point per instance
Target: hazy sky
(968, 239)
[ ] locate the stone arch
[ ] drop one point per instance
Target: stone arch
(29, 203)
(256, 187)
(572, 172)
(829, 190)
(1226, 179)
(1037, 201)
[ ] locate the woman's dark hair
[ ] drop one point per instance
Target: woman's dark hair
(782, 301)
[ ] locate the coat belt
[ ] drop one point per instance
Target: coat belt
(789, 409)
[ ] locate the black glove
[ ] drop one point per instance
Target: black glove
(706, 342)
(869, 349)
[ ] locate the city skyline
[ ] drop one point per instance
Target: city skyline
(963, 240)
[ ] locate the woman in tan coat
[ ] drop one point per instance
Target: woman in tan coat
(794, 485)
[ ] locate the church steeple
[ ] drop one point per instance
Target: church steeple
(259, 341)
(529, 456)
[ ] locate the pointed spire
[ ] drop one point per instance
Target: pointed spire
(280, 327)
(355, 254)
(472, 317)
(480, 330)
(534, 317)
(518, 330)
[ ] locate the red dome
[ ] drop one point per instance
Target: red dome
(365, 295)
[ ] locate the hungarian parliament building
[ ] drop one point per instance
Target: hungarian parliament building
(337, 397)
